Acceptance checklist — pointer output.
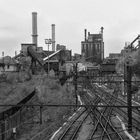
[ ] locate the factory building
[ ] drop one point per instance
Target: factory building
(92, 48)
(44, 59)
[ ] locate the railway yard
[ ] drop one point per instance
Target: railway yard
(53, 95)
(89, 110)
(96, 121)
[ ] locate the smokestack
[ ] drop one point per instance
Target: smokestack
(102, 44)
(34, 28)
(102, 28)
(53, 37)
(85, 34)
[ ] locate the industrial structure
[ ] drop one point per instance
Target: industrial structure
(47, 59)
(95, 80)
(53, 37)
(92, 48)
(34, 29)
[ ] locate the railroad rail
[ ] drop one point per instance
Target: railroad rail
(123, 111)
(74, 126)
(103, 128)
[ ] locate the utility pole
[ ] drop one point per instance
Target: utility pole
(125, 80)
(40, 110)
(75, 83)
(48, 41)
(3, 61)
(129, 96)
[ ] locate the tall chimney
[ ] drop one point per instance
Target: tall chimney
(102, 44)
(102, 28)
(85, 34)
(34, 28)
(53, 37)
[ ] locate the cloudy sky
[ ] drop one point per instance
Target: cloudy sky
(120, 19)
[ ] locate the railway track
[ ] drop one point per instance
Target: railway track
(103, 128)
(123, 111)
(73, 128)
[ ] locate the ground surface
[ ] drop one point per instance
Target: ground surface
(48, 91)
(85, 130)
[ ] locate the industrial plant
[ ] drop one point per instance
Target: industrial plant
(54, 95)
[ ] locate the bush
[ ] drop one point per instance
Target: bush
(51, 91)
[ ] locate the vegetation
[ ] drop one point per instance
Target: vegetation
(18, 77)
(13, 92)
(25, 63)
(49, 91)
(134, 59)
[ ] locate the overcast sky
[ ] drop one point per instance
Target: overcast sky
(120, 19)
